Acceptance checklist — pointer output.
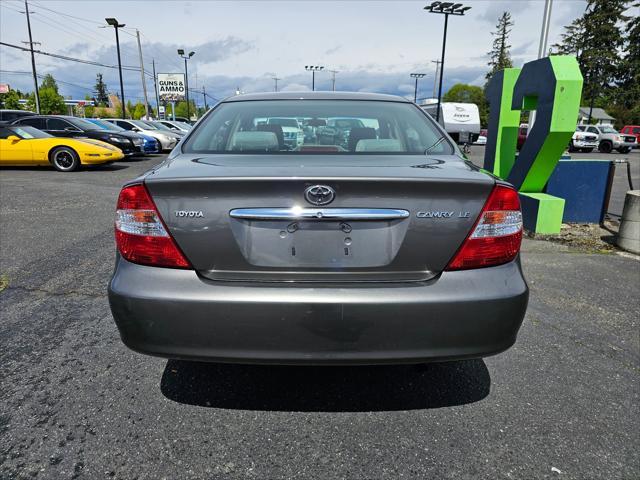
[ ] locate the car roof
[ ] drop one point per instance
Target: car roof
(380, 97)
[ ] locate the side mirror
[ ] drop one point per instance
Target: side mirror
(70, 129)
(135, 129)
(13, 138)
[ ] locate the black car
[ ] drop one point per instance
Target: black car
(12, 115)
(66, 126)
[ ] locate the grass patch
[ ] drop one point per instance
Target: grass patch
(4, 282)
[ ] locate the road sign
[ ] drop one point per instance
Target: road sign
(171, 86)
(4, 88)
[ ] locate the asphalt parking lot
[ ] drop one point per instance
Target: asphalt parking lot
(75, 403)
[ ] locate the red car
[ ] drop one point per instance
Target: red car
(632, 130)
(522, 135)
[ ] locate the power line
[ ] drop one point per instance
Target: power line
(73, 59)
(67, 15)
(39, 75)
(92, 35)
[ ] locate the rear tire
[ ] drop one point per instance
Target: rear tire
(571, 147)
(624, 149)
(64, 159)
(605, 146)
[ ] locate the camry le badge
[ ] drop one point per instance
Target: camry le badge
(442, 214)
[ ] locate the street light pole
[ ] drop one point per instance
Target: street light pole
(445, 8)
(186, 78)
(415, 90)
(275, 79)
(313, 69)
(114, 23)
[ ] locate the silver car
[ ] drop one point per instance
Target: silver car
(167, 139)
(388, 247)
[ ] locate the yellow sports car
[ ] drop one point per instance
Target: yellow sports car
(22, 145)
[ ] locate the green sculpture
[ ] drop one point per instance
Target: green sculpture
(551, 86)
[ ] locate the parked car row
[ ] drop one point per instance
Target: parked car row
(28, 139)
(27, 146)
(589, 137)
(610, 139)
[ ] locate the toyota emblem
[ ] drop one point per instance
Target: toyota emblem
(319, 194)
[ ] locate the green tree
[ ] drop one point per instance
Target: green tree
(597, 39)
(10, 100)
(101, 112)
(138, 111)
(49, 82)
(100, 91)
(181, 108)
(51, 102)
(627, 96)
(463, 93)
(89, 110)
(499, 57)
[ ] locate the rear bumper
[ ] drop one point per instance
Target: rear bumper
(176, 314)
(624, 144)
(584, 144)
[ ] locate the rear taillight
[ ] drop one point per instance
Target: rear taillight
(495, 238)
(141, 236)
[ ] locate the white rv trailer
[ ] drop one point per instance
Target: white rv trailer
(460, 120)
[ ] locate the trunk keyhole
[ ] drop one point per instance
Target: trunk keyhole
(345, 227)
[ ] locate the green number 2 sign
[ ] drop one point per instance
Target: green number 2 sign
(551, 86)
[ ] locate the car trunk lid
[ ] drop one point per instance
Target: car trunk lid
(246, 217)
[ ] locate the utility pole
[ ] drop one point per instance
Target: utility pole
(435, 79)
(204, 97)
(144, 81)
(275, 79)
(155, 86)
(33, 59)
(333, 79)
(542, 47)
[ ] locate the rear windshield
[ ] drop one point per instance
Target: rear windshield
(82, 123)
(317, 126)
(106, 125)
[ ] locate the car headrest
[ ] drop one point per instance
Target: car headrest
(360, 133)
(254, 141)
(379, 145)
(277, 129)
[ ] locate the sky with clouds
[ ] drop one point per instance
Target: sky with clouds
(373, 45)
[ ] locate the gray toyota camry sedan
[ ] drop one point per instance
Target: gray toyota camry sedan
(318, 228)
